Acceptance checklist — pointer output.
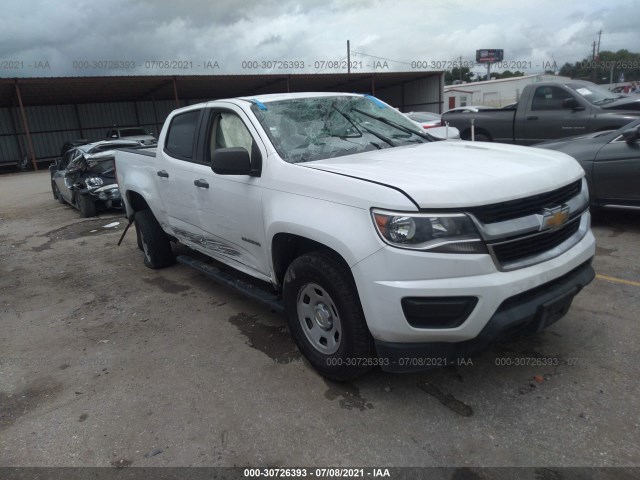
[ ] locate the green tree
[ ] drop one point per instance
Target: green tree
(506, 74)
(605, 66)
(456, 73)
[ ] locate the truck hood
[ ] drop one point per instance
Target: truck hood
(459, 173)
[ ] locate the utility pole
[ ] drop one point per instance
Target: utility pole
(593, 63)
(599, 37)
(460, 68)
(348, 57)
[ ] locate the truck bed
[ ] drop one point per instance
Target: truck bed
(496, 124)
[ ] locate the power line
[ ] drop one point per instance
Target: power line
(381, 58)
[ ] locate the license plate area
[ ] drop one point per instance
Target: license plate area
(553, 310)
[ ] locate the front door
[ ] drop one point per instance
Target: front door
(547, 119)
(230, 206)
(616, 172)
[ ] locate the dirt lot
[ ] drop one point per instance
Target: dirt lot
(105, 362)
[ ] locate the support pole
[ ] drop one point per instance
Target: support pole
(155, 117)
(25, 125)
(75, 107)
(348, 57)
(175, 92)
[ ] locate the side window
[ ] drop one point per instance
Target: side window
(228, 130)
(182, 134)
(549, 98)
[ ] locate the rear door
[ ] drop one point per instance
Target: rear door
(174, 176)
(545, 119)
(230, 206)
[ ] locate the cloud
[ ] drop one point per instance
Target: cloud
(229, 32)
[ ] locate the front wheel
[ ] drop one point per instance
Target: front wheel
(325, 316)
(86, 206)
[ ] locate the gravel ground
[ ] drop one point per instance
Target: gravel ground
(105, 362)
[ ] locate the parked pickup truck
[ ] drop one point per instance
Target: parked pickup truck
(383, 247)
(547, 111)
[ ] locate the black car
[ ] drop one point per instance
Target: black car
(611, 161)
(85, 177)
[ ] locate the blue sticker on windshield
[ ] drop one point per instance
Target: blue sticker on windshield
(377, 102)
(259, 104)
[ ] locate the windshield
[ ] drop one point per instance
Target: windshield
(314, 128)
(595, 94)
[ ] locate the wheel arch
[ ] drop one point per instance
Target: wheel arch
(466, 134)
(286, 247)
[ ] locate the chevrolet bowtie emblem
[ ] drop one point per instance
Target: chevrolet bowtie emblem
(554, 217)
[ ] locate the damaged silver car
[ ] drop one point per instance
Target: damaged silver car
(85, 177)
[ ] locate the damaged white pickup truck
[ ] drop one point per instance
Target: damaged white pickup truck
(382, 246)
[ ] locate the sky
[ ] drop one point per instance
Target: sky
(40, 38)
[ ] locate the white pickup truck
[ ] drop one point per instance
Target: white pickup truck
(382, 246)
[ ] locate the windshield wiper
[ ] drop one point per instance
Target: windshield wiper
(605, 100)
(380, 136)
(393, 124)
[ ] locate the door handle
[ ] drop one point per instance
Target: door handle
(532, 118)
(201, 183)
(162, 173)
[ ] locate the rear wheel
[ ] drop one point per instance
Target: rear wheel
(155, 243)
(138, 237)
(60, 197)
(325, 316)
(56, 192)
(86, 206)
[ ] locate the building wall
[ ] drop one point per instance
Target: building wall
(422, 95)
(51, 126)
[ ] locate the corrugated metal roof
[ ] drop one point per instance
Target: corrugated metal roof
(77, 90)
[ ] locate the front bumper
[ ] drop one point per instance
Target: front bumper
(527, 312)
(391, 274)
(108, 196)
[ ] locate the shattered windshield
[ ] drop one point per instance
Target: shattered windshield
(315, 128)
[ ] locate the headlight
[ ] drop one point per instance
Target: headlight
(443, 233)
(93, 182)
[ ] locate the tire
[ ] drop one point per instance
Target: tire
(481, 137)
(138, 237)
(325, 316)
(155, 243)
(60, 197)
(25, 164)
(86, 206)
(56, 192)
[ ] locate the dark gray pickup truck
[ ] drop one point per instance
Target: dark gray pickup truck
(547, 111)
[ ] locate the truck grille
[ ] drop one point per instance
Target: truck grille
(532, 245)
(499, 212)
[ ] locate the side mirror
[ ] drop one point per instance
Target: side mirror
(231, 161)
(571, 103)
(53, 167)
(631, 135)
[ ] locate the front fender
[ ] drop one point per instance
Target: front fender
(345, 229)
